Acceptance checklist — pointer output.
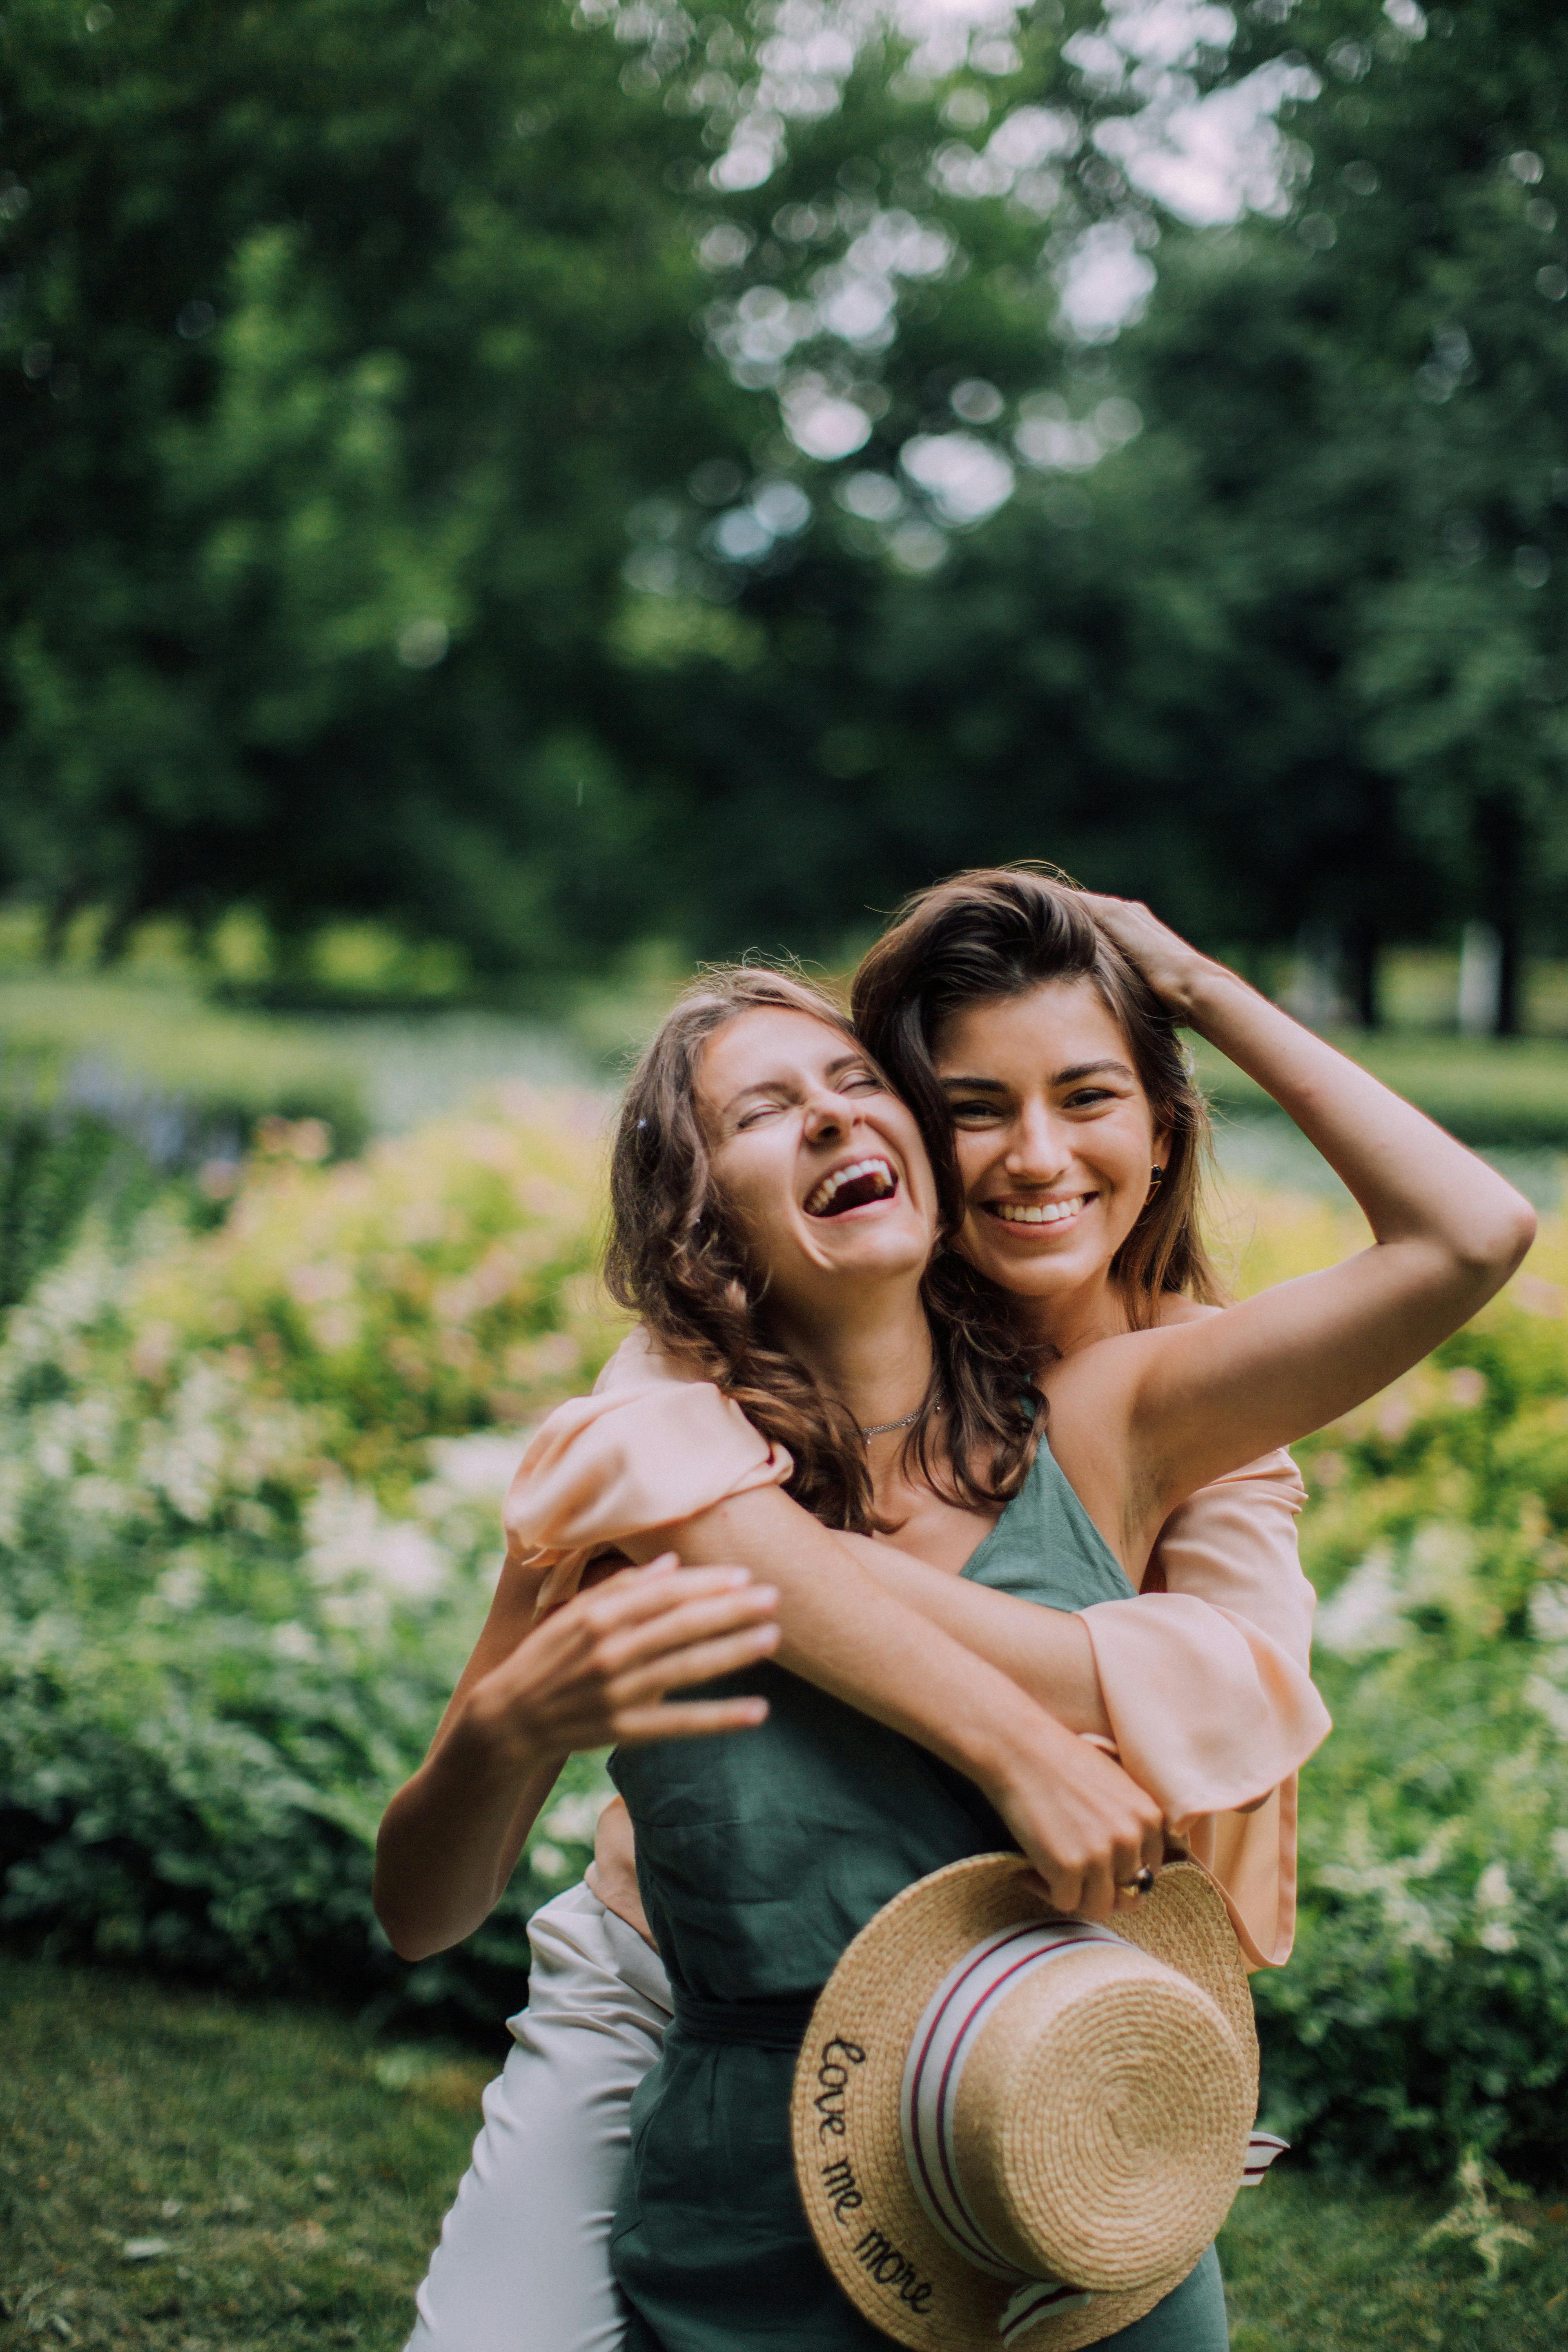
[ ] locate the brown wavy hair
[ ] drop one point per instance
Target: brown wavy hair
(999, 931)
(677, 1258)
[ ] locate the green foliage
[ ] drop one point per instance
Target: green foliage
(187, 1079)
(1289, 652)
(339, 339)
(53, 1170)
(389, 546)
(247, 1534)
(1425, 2010)
(110, 1093)
(1363, 397)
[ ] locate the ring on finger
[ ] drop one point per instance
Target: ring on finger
(1138, 1884)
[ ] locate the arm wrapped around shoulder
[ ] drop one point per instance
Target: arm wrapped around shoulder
(1206, 1678)
(620, 1462)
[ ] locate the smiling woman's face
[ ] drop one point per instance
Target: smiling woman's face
(1055, 1135)
(821, 1166)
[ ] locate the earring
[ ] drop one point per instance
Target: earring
(1157, 1177)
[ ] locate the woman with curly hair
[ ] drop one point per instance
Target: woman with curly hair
(774, 1225)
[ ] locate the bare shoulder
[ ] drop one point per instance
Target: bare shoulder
(1094, 1394)
(1173, 1309)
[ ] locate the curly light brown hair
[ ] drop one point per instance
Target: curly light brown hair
(999, 931)
(677, 1258)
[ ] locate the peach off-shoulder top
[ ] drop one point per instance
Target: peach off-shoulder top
(1204, 1675)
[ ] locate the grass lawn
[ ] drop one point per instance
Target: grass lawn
(1312, 2267)
(291, 2196)
(394, 1070)
(1511, 1090)
(291, 2171)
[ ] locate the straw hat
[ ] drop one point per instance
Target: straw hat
(1010, 2123)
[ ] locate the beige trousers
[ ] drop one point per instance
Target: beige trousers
(523, 2264)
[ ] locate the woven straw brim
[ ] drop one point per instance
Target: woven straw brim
(873, 2231)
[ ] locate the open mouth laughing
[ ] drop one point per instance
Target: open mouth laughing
(853, 1186)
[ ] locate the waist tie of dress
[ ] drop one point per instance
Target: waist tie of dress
(775, 2021)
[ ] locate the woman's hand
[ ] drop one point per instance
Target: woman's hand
(1084, 1823)
(1171, 967)
(598, 1671)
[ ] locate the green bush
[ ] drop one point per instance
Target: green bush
(248, 1487)
(249, 1498)
(54, 1166)
(1425, 2009)
(112, 1090)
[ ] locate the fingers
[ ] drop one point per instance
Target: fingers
(1147, 1854)
(685, 1614)
(698, 1662)
(1098, 1897)
(1062, 1884)
(638, 1648)
(637, 1594)
(689, 1719)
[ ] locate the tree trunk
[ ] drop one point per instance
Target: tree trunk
(1509, 977)
(1502, 848)
(1361, 950)
(60, 913)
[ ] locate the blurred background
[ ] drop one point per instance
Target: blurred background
(501, 500)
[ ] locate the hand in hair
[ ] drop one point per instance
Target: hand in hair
(1166, 961)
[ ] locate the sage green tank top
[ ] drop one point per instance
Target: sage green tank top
(760, 1856)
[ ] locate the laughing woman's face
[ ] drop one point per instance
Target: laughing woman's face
(821, 1166)
(1055, 1135)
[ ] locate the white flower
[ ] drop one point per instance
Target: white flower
(1494, 1899)
(1364, 1616)
(349, 1541)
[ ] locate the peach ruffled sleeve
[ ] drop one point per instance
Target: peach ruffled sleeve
(643, 1452)
(1206, 1678)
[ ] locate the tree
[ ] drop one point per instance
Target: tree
(1286, 658)
(352, 336)
(342, 337)
(1372, 389)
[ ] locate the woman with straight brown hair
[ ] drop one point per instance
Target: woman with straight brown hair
(986, 939)
(961, 1002)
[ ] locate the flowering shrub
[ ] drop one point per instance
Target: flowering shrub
(1425, 2010)
(55, 1168)
(249, 1491)
(250, 1487)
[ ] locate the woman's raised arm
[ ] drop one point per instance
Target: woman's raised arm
(1185, 1403)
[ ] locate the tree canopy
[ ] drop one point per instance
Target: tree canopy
(549, 479)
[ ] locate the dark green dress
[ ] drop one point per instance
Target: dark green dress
(760, 1856)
